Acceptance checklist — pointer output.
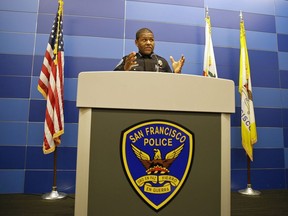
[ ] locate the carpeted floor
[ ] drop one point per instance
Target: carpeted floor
(268, 203)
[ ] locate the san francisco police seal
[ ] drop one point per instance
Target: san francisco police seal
(157, 157)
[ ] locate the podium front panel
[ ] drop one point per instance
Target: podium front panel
(109, 190)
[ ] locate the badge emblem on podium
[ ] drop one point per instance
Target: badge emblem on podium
(157, 156)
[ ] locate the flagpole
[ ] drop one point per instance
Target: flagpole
(54, 194)
(248, 190)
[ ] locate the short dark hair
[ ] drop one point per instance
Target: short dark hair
(142, 30)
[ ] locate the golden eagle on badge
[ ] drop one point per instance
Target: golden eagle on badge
(157, 164)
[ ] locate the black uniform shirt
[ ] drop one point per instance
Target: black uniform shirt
(151, 62)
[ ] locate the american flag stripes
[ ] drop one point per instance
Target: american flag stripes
(51, 84)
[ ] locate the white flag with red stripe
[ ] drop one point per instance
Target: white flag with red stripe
(209, 66)
(51, 84)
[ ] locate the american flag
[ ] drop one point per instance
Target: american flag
(51, 84)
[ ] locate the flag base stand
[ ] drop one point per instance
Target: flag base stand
(249, 191)
(54, 195)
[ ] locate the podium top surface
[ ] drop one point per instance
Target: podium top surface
(155, 91)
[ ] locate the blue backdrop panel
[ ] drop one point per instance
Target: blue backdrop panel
(283, 63)
(267, 97)
(182, 15)
(8, 66)
(83, 26)
(10, 84)
(284, 79)
(195, 3)
(8, 152)
(267, 137)
(20, 5)
(282, 42)
(42, 181)
(267, 6)
(9, 128)
(231, 20)
(92, 8)
(66, 158)
(84, 46)
(18, 21)
(17, 43)
(281, 8)
(12, 181)
(281, 25)
(14, 109)
(264, 64)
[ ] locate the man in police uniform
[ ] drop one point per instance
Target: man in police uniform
(146, 59)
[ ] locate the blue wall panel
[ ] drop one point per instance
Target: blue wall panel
(265, 117)
(256, 6)
(285, 132)
(196, 3)
(20, 5)
(15, 64)
(42, 181)
(66, 158)
(8, 131)
(18, 22)
(260, 179)
(12, 181)
(83, 26)
(284, 95)
(283, 60)
(231, 19)
(286, 156)
(285, 117)
(15, 87)
(85, 46)
(17, 43)
(262, 158)
(9, 152)
(281, 7)
(267, 138)
(165, 13)
(14, 109)
(281, 25)
(282, 42)
(284, 79)
(99, 8)
(35, 133)
(265, 64)
(266, 97)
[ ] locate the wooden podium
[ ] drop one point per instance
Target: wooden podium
(110, 102)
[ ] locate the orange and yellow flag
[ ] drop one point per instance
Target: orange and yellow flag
(248, 124)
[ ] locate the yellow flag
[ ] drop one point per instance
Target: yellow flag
(248, 124)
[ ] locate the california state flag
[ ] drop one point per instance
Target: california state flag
(248, 124)
(209, 66)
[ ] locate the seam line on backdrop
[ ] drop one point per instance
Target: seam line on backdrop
(124, 34)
